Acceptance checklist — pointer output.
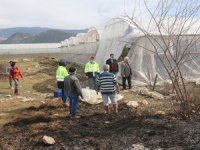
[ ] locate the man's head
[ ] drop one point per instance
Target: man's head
(112, 56)
(72, 70)
(92, 59)
(62, 63)
(10, 62)
(106, 67)
(13, 63)
(126, 59)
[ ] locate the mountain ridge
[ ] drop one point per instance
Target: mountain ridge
(35, 35)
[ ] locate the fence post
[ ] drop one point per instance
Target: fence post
(154, 84)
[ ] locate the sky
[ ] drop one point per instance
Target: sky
(62, 14)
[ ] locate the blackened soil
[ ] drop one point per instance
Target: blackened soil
(95, 130)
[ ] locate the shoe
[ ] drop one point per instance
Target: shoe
(16, 92)
(66, 104)
(75, 117)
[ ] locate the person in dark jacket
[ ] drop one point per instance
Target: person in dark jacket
(73, 90)
(126, 73)
(112, 62)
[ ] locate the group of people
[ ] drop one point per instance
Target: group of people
(92, 71)
(104, 82)
(14, 75)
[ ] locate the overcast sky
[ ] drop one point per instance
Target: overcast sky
(65, 14)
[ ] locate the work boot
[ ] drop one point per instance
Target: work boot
(16, 92)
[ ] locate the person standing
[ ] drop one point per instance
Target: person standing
(92, 72)
(126, 73)
(73, 90)
(112, 62)
(15, 75)
(61, 73)
(107, 84)
(8, 73)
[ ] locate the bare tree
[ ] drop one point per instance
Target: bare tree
(172, 29)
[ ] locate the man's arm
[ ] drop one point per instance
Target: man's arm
(116, 84)
(107, 62)
(98, 84)
(65, 87)
(11, 73)
(78, 88)
(122, 70)
(117, 66)
(20, 74)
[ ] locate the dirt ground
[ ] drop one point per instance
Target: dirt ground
(25, 119)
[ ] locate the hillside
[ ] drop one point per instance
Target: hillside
(35, 35)
(50, 36)
(2, 39)
(17, 38)
(7, 32)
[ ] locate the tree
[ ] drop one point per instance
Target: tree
(172, 28)
(125, 51)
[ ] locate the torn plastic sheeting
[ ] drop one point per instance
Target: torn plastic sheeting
(91, 97)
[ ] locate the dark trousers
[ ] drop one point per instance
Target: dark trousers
(60, 85)
(124, 82)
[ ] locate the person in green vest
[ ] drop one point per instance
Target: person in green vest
(61, 73)
(92, 71)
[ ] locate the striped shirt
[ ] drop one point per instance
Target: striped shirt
(106, 82)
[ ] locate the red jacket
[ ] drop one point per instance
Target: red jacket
(15, 73)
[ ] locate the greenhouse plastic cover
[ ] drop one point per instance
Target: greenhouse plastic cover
(144, 64)
(111, 39)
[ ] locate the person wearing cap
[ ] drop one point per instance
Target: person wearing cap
(112, 62)
(8, 73)
(92, 71)
(15, 75)
(61, 73)
(73, 90)
(107, 84)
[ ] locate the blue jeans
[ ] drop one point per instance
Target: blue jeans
(60, 85)
(73, 102)
(64, 97)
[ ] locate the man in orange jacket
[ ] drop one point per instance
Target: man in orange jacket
(15, 74)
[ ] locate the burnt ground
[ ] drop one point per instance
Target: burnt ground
(24, 123)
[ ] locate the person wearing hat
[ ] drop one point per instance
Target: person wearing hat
(73, 90)
(61, 73)
(92, 71)
(15, 75)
